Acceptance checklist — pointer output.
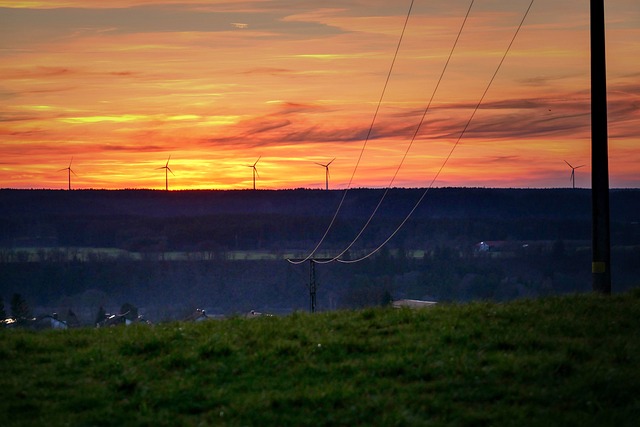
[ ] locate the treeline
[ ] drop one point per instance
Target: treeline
(285, 232)
(219, 233)
(281, 220)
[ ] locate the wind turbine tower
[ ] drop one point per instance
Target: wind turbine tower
(255, 171)
(167, 169)
(573, 173)
(326, 173)
(69, 172)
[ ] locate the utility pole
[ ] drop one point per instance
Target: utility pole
(601, 245)
(313, 285)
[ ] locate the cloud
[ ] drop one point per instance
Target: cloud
(509, 119)
(500, 159)
(261, 126)
(37, 72)
(262, 132)
(134, 148)
(53, 73)
(269, 71)
(297, 123)
(542, 80)
(25, 26)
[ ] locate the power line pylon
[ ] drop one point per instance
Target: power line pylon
(313, 285)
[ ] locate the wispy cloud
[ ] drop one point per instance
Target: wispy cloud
(42, 25)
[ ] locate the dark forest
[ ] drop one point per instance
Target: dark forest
(225, 251)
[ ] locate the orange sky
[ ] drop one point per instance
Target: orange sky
(120, 86)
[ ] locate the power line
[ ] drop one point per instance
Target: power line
(375, 115)
(464, 130)
(413, 138)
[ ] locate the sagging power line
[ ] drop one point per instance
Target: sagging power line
(337, 257)
(413, 138)
(446, 160)
(375, 115)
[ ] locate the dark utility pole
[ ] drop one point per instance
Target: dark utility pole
(313, 285)
(601, 246)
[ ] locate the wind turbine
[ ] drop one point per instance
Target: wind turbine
(70, 171)
(167, 169)
(326, 174)
(573, 173)
(255, 171)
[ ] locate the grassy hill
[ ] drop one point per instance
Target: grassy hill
(556, 361)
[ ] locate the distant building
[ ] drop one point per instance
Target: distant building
(491, 246)
(510, 248)
(121, 319)
(8, 322)
(112, 320)
(198, 315)
(254, 313)
(48, 322)
(412, 303)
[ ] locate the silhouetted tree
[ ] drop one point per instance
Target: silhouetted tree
(387, 299)
(100, 316)
(19, 308)
(72, 319)
(129, 311)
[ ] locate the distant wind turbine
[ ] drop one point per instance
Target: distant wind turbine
(167, 169)
(69, 171)
(326, 174)
(573, 173)
(255, 171)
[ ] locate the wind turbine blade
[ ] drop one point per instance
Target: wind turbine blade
(256, 171)
(169, 169)
(71, 170)
(330, 162)
(569, 164)
(168, 160)
(71, 161)
(320, 164)
(579, 166)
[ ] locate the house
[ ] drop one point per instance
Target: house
(412, 303)
(111, 320)
(121, 319)
(492, 246)
(140, 319)
(8, 322)
(254, 313)
(198, 315)
(48, 322)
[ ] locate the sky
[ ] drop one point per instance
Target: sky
(113, 89)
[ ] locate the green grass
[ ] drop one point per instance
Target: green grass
(549, 362)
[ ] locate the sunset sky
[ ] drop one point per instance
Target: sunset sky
(120, 86)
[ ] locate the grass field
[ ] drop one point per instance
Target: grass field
(564, 361)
